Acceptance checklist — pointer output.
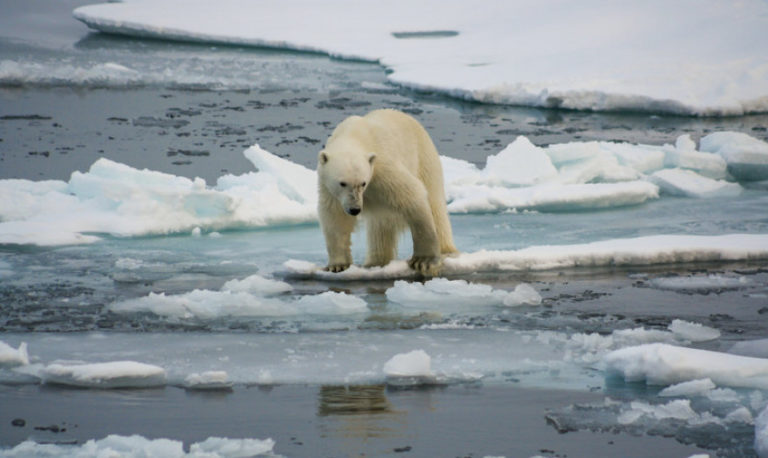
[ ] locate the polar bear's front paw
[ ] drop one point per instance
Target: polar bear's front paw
(429, 266)
(337, 267)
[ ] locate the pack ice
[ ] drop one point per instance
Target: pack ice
(687, 57)
(115, 199)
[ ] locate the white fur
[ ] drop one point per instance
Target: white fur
(384, 167)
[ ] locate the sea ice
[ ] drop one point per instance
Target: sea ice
(682, 70)
(746, 156)
(684, 156)
(638, 251)
(664, 364)
(11, 357)
(115, 374)
(256, 284)
(208, 305)
(689, 388)
(699, 283)
(761, 434)
(140, 447)
(694, 332)
(441, 292)
(209, 380)
(521, 163)
(680, 182)
(412, 368)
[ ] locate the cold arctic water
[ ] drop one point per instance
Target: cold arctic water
(611, 296)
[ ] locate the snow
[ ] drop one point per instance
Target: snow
(258, 285)
(693, 332)
(636, 251)
(746, 156)
(666, 364)
(139, 446)
(442, 293)
(10, 357)
(114, 374)
(115, 199)
(761, 434)
(701, 58)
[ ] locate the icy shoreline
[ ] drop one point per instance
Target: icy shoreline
(605, 64)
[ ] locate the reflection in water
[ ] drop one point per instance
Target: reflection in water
(356, 417)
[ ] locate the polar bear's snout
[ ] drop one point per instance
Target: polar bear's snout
(354, 211)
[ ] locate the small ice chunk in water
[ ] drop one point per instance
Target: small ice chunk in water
(679, 409)
(115, 374)
(747, 157)
(694, 332)
(416, 363)
(10, 357)
(210, 380)
(256, 284)
(219, 446)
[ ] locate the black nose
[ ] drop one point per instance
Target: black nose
(353, 211)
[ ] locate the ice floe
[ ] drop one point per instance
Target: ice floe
(443, 293)
(113, 374)
(693, 332)
(746, 156)
(664, 364)
(121, 201)
(689, 388)
(250, 297)
(139, 446)
(684, 69)
(637, 251)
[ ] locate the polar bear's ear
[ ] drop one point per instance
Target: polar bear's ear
(322, 158)
(371, 158)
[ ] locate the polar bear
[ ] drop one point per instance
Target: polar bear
(383, 167)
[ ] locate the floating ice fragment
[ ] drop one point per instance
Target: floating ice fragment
(416, 363)
(521, 163)
(699, 283)
(689, 388)
(210, 380)
(10, 357)
(256, 284)
(747, 157)
(116, 374)
(679, 409)
(679, 182)
(695, 332)
(141, 447)
(664, 364)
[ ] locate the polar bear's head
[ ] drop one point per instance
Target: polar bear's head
(346, 175)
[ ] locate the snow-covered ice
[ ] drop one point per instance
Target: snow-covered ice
(209, 380)
(139, 446)
(115, 199)
(668, 364)
(689, 388)
(620, 252)
(416, 363)
(687, 58)
(114, 374)
(746, 156)
(693, 332)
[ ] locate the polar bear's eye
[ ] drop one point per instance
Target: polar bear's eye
(343, 184)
